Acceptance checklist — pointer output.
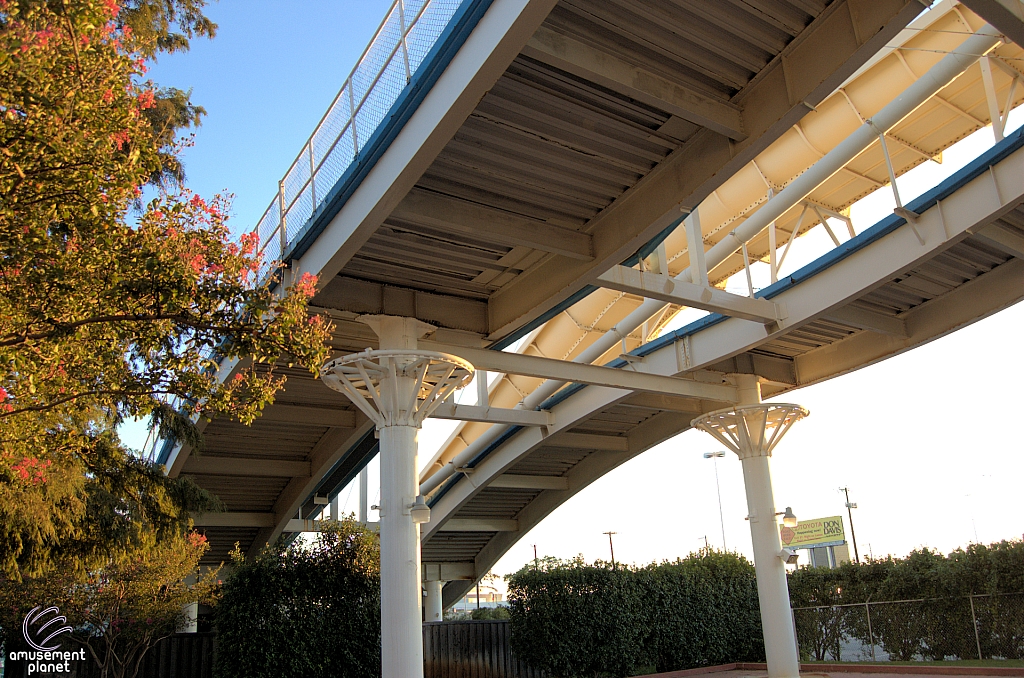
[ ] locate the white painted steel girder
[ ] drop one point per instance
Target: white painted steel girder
(940, 75)
(972, 208)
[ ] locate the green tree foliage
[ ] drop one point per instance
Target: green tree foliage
(577, 620)
(497, 613)
(821, 629)
(110, 310)
(931, 617)
(166, 25)
(304, 611)
(120, 610)
(706, 612)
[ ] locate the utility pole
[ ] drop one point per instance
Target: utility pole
(611, 546)
(536, 565)
(849, 511)
(721, 519)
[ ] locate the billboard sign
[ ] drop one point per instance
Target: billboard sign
(816, 532)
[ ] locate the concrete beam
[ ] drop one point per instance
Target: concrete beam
(309, 525)
(664, 288)
(360, 297)
(864, 319)
(449, 571)
(1006, 15)
(530, 482)
(480, 525)
(492, 415)
(588, 441)
(313, 416)
(235, 519)
(328, 450)
(547, 368)
(582, 60)
(972, 301)
(452, 214)
(247, 466)
(999, 238)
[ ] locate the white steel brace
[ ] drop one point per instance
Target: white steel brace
(675, 291)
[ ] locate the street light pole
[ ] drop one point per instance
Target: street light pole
(611, 546)
(849, 511)
(721, 519)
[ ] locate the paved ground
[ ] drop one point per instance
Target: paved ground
(848, 671)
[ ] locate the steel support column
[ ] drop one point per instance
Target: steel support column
(434, 607)
(752, 430)
(398, 386)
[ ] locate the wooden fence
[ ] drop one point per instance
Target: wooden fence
(471, 649)
(463, 649)
(183, 655)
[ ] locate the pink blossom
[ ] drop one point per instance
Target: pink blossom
(306, 284)
(146, 101)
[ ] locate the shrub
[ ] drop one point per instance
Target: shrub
(304, 611)
(573, 620)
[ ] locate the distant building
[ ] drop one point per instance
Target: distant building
(828, 556)
(489, 597)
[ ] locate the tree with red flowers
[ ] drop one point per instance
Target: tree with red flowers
(109, 309)
(122, 609)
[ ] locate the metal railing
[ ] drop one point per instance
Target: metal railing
(963, 627)
(405, 37)
(398, 48)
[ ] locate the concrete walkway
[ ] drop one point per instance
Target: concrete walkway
(848, 671)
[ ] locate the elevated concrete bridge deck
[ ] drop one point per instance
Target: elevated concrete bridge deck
(540, 144)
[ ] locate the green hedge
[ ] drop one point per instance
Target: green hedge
(574, 620)
(306, 611)
(939, 626)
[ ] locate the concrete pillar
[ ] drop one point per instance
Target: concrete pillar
(401, 597)
(434, 607)
(190, 619)
(397, 389)
(364, 499)
(772, 587)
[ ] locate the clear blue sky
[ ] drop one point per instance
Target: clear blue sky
(904, 434)
(265, 80)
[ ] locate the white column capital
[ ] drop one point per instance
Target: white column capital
(397, 332)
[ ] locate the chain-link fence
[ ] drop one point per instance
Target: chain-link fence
(405, 37)
(965, 627)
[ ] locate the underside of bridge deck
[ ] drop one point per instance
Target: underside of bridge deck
(577, 133)
(612, 117)
(953, 281)
(580, 134)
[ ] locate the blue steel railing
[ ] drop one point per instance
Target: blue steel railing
(409, 31)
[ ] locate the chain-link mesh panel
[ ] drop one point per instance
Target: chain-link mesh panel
(1000, 621)
(295, 181)
(300, 212)
(327, 137)
(936, 629)
(268, 233)
(396, 52)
